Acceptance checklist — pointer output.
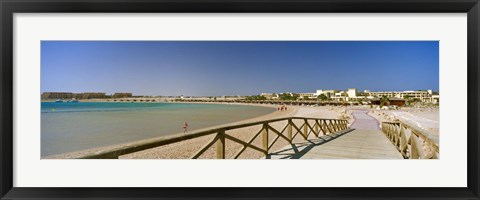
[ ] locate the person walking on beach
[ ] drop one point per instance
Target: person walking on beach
(185, 126)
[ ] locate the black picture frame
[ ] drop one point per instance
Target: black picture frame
(10, 7)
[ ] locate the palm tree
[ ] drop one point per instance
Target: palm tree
(322, 97)
(384, 100)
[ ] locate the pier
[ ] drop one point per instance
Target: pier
(363, 140)
(304, 138)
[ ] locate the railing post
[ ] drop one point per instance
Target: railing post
(388, 130)
(403, 141)
(221, 145)
(305, 129)
(326, 127)
(397, 135)
(390, 126)
(289, 134)
(393, 133)
(265, 138)
(337, 128)
(333, 126)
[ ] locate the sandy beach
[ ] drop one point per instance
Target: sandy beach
(424, 118)
(186, 149)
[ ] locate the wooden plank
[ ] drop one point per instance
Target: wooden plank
(280, 133)
(357, 144)
(332, 122)
(249, 142)
(290, 130)
(396, 133)
(321, 127)
(310, 127)
(305, 126)
(403, 142)
(244, 143)
(165, 140)
(265, 138)
(205, 148)
(273, 142)
(416, 151)
(298, 131)
(327, 126)
(221, 145)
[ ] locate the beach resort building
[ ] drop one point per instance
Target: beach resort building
(92, 95)
(340, 96)
(425, 96)
(306, 94)
(352, 94)
(70, 95)
(122, 95)
(328, 93)
(57, 95)
(269, 95)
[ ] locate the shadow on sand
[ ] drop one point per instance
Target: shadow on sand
(297, 150)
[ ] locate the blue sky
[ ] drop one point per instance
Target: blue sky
(237, 67)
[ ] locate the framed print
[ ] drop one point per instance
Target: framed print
(239, 99)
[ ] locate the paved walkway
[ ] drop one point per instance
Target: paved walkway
(363, 141)
(363, 121)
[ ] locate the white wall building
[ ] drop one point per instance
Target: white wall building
(328, 93)
(352, 94)
(306, 94)
(425, 96)
(269, 95)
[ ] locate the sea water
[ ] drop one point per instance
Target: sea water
(73, 126)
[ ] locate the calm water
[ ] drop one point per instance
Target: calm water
(76, 126)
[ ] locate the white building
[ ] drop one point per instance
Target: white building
(269, 95)
(328, 93)
(425, 96)
(352, 92)
(307, 94)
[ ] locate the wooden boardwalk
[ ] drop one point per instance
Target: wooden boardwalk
(363, 141)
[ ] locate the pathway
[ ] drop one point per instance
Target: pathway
(363, 141)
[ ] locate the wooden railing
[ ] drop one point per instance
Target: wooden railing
(289, 132)
(412, 142)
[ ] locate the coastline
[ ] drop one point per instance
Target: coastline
(175, 102)
(185, 149)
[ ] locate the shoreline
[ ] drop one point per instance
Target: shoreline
(186, 148)
(217, 103)
(94, 149)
